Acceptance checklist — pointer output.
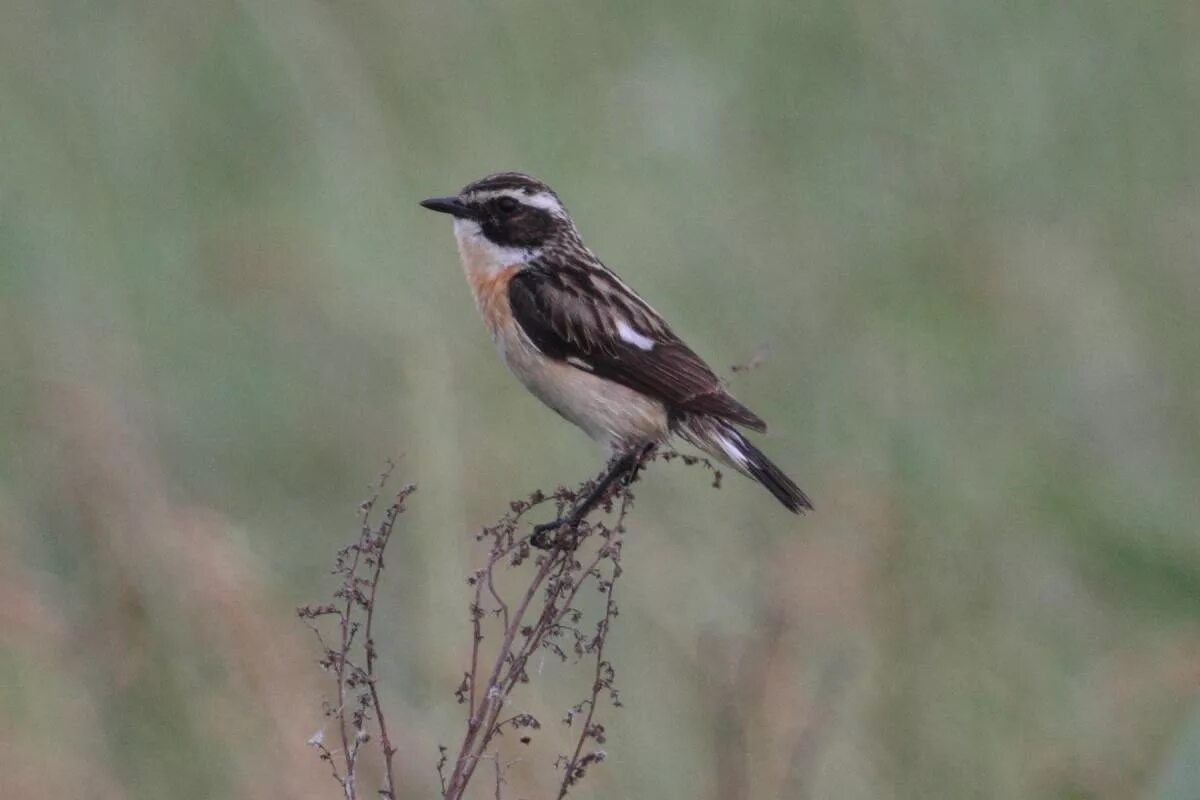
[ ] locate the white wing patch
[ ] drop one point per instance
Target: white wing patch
(732, 450)
(576, 361)
(630, 336)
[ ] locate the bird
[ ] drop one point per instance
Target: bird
(586, 344)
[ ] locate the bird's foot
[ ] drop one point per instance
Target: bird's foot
(623, 469)
(643, 456)
(565, 527)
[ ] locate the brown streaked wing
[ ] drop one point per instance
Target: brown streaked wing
(567, 317)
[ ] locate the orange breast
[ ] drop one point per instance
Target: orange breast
(491, 295)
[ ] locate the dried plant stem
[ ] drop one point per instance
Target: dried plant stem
(543, 614)
(354, 609)
(388, 749)
(603, 677)
(482, 724)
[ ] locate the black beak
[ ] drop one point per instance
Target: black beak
(449, 205)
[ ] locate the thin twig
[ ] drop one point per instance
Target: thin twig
(357, 689)
(576, 767)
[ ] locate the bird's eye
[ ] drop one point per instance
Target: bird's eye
(507, 205)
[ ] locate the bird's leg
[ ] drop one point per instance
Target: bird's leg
(642, 457)
(624, 466)
(619, 466)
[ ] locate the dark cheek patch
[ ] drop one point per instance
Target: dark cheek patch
(527, 228)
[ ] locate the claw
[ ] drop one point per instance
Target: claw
(541, 534)
(542, 539)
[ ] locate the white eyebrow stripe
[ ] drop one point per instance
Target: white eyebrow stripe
(630, 336)
(542, 200)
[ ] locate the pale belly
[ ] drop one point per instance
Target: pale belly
(608, 412)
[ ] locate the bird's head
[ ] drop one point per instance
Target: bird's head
(512, 213)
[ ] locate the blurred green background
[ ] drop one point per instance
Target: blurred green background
(965, 235)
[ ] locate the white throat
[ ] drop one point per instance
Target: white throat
(481, 257)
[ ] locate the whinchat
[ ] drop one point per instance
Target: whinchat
(584, 342)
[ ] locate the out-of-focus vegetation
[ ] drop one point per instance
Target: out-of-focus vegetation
(965, 233)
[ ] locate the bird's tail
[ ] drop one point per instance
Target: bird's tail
(720, 439)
